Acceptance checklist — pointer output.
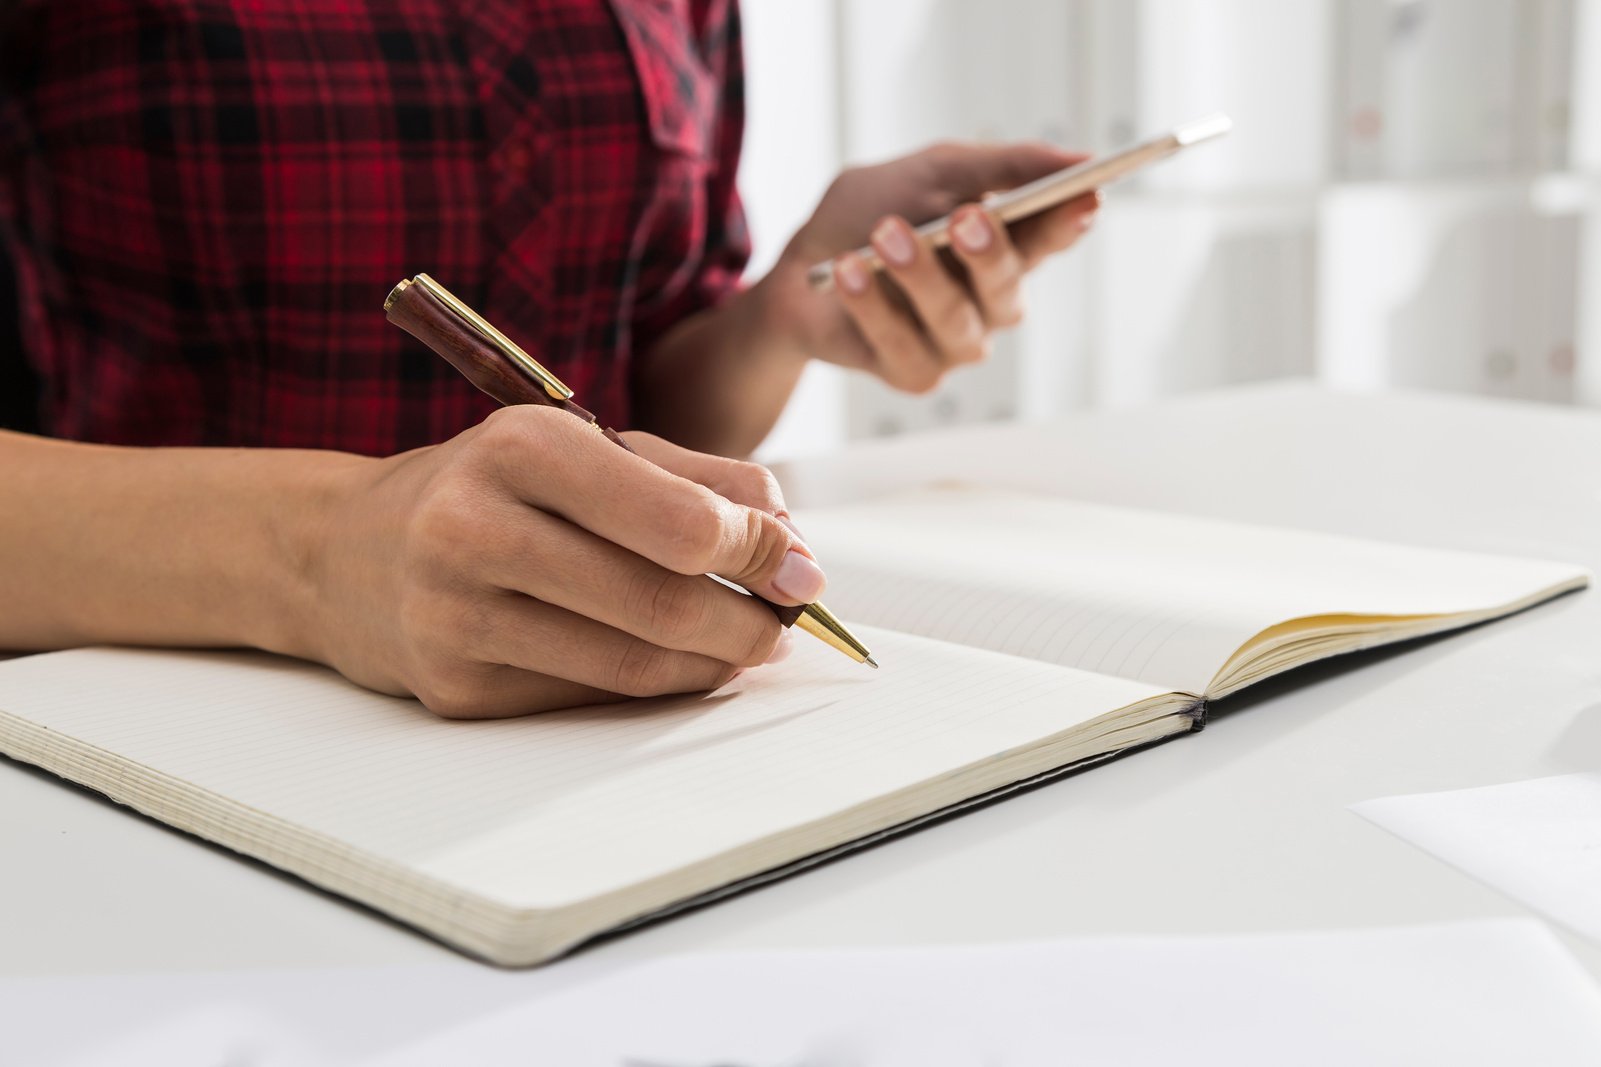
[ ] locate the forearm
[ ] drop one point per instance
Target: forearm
(719, 381)
(172, 546)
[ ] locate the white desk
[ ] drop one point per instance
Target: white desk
(1242, 827)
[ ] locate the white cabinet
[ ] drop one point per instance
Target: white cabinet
(1477, 289)
(1193, 292)
(1453, 88)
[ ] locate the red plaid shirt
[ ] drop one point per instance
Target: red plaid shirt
(206, 201)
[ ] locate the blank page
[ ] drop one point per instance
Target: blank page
(550, 809)
(1164, 599)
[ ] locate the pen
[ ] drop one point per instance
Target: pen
(496, 365)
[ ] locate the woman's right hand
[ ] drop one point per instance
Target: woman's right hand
(530, 564)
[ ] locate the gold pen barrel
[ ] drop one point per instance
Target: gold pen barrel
(823, 625)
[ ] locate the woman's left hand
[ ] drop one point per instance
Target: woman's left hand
(927, 311)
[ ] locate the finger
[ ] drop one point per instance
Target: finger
(968, 171)
(745, 483)
(994, 266)
(533, 636)
(623, 590)
(742, 482)
(1055, 230)
(902, 356)
(495, 691)
(950, 318)
(553, 462)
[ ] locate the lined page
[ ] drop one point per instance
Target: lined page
(1164, 599)
(550, 809)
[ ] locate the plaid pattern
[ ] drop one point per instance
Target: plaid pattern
(206, 201)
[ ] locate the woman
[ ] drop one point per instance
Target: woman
(204, 203)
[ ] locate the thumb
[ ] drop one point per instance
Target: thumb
(760, 552)
(968, 171)
(749, 540)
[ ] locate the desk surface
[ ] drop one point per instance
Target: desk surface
(1242, 827)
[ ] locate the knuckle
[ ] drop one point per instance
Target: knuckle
(899, 348)
(451, 695)
(977, 352)
(522, 428)
(755, 482)
(469, 619)
(511, 437)
(1008, 313)
(972, 349)
(640, 669)
(512, 426)
(749, 552)
(872, 319)
(446, 516)
(760, 643)
(920, 379)
(693, 533)
(679, 608)
(963, 326)
(999, 277)
(766, 541)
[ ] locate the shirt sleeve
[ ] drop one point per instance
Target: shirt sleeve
(726, 248)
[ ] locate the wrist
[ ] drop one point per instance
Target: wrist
(794, 318)
(305, 531)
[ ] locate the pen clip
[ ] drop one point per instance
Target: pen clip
(522, 360)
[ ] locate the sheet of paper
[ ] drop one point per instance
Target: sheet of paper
(550, 809)
(269, 1017)
(215, 1035)
(1164, 599)
(1538, 842)
(1481, 993)
(1491, 992)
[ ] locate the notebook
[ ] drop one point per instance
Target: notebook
(1019, 635)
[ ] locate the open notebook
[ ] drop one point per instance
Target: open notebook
(1018, 635)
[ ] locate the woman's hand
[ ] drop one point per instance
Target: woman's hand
(927, 312)
(719, 380)
(530, 564)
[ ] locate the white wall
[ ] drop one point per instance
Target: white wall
(792, 152)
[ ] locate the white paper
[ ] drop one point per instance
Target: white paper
(1487, 992)
(1160, 598)
(1538, 842)
(542, 811)
(268, 1017)
(216, 1035)
(1491, 992)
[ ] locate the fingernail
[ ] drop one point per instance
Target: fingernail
(851, 275)
(799, 578)
(781, 651)
(972, 231)
(894, 242)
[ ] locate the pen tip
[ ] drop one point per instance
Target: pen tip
(871, 662)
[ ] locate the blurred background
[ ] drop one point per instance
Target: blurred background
(1409, 197)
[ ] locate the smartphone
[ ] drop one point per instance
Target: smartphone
(1016, 204)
